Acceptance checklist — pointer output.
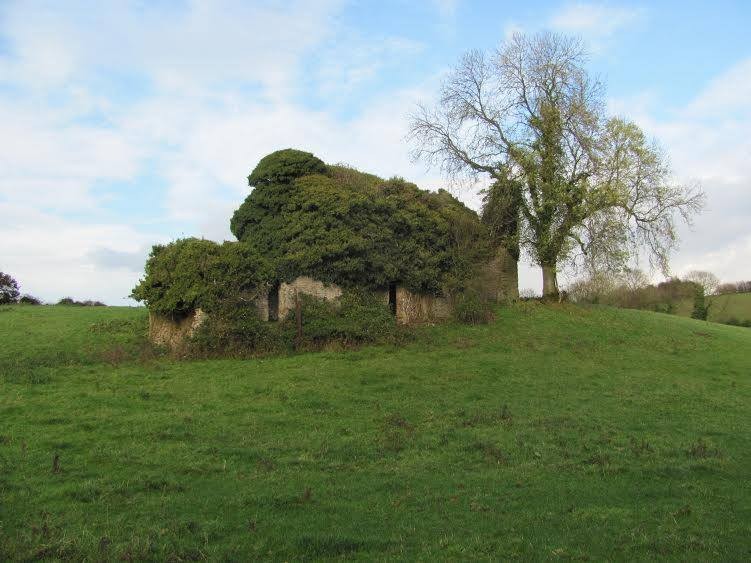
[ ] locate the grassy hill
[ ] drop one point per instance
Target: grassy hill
(722, 308)
(556, 432)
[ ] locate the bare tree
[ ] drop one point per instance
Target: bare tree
(633, 279)
(707, 280)
(530, 118)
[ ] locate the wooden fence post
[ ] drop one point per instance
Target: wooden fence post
(298, 317)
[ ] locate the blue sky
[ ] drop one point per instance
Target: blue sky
(129, 123)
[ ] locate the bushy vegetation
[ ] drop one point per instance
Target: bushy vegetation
(632, 291)
(356, 230)
(471, 307)
(285, 166)
(9, 291)
(234, 329)
(734, 287)
(674, 296)
(69, 301)
(543, 425)
(333, 223)
(194, 273)
(701, 307)
(357, 318)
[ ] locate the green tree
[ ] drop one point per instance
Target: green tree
(701, 307)
(9, 291)
(530, 119)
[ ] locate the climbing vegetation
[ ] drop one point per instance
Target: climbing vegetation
(333, 223)
(195, 273)
(358, 230)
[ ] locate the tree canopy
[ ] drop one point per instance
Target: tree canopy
(530, 118)
(9, 291)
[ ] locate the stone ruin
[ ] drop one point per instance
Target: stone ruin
(408, 307)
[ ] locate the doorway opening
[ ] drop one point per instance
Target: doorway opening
(273, 302)
(392, 298)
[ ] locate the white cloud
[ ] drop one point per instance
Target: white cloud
(52, 257)
(220, 84)
(595, 22)
(510, 29)
(707, 141)
(446, 8)
(198, 46)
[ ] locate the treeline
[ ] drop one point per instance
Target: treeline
(632, 290)
(734, 287)
(10, 293)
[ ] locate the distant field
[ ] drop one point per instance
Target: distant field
(556, 432)
(722, 307)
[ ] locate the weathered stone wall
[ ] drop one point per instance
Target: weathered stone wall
(171, 332)
(417, 308)
(499, 279)
(262, 305)
(305, 285)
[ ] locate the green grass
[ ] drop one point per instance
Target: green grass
(722, 308)
(556, 432)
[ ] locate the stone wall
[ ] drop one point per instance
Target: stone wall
(261, 303)
(411, 308)
(499, 279)
(172, 332)
(304, 285)
(417, 308)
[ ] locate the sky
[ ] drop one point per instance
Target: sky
(125, 124)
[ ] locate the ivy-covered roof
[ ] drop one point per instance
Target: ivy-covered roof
(330, 222)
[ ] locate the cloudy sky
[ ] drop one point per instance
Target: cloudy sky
(124, 123)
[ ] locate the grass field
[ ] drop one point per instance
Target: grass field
(722, 308)
(556, 432)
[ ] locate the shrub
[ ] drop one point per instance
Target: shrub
(725, 288)
(701, 307)
(357, 318)
(194, 273)
(471, 308)
(234, 329)
(8, 289)
(733, 321)
(29, 300)
(69, 301)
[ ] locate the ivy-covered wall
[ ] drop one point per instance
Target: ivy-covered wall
(330, 223)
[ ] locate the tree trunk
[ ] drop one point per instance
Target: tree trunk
(549, 281)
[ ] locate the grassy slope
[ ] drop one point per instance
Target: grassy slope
(722, 307)
(555, 432)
